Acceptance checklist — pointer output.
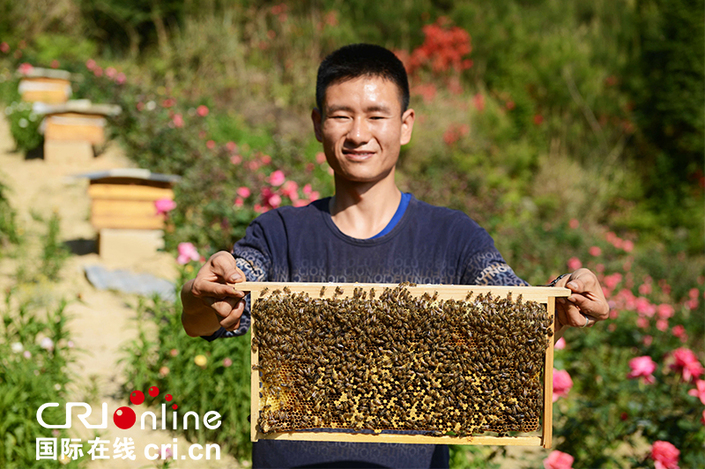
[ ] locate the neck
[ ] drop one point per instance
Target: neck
(361, 210)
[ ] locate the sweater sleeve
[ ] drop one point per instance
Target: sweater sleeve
(252, 257)
(482, 264)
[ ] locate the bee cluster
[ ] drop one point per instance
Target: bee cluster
(400, 363)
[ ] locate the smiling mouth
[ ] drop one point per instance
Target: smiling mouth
(358, 155)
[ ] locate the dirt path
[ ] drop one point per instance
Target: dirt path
(102, 321)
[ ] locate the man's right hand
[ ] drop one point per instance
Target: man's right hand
(212, 292)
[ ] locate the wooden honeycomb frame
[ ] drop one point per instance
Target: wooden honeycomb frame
(542, 295)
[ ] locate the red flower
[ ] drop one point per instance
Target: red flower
(558, 460)
(5, 47)
(699, 390)
(25, 68)
(561, 384)
(178, 120)
(687, 362)
(644, 367)
(538, 119)
(574, 263)
(665, 455)
(202, 110)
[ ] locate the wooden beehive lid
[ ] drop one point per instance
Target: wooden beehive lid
(77, 106)
(39, 72)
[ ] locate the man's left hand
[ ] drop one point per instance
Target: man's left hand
(586, 305)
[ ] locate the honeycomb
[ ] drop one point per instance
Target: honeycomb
(391, 362)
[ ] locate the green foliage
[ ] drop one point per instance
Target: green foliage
(54, 251)
(34, 354)
(24, 126)
(205, 376)
(9, 232)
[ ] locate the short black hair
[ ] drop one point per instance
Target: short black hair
(357, 60)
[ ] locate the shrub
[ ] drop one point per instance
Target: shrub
(34, 354)
(205, 376)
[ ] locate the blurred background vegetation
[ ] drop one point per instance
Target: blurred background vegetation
(565, 128)
(588, 110)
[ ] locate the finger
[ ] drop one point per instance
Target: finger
(232, 321)
(222, 306)
(591, 307)
(572, 316)
(224, 266)
(203, 288)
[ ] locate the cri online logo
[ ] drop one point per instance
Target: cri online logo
(125, 418)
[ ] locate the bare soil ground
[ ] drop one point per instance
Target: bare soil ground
(102, 321)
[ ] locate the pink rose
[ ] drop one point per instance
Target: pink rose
(231, 146)
(561, 384)
(239, 202)
(642, 367)
(611, 281)
(275, 200)
(164, 205)
(628, 246)
(307, 189)
(291, 190)
(479, 101)
(178, 120)
(227, 362)
(560, 344)
(5, 47)
(187, 253)
(665, 455)
(644, 306)
(320, 157)
(678, 331)
(558, 460)
(202, 110)
(120, 78)
(243, 192)
(574, 263)
(277, 178)
(662, 325)
(665, 311)
(25, 68)
(687, 362)
(699, 390)
(110, 72)
(574, 223)
(595, 251)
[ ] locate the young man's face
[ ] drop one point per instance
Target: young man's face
(362, 128)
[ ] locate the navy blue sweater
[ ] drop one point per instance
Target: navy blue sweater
(428, 245)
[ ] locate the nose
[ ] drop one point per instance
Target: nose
(359, 132)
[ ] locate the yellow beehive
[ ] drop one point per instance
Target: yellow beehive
(73, 126)
(45, 89)
(125, 199)
(405, 364)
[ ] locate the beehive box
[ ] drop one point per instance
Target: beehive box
(45, 85)
(402, 363)
(124, 198)
(73, 126)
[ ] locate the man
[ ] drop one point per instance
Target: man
(367, 232)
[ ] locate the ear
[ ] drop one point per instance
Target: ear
(316, 118)
(407, 125)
